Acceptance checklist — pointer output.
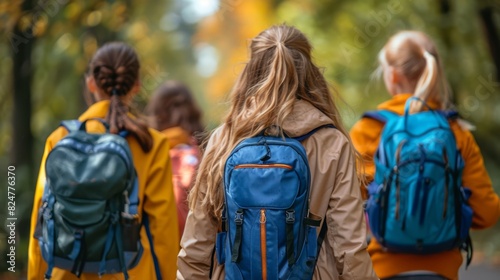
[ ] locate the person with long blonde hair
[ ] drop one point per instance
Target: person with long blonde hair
(412, 67)
(280, 87)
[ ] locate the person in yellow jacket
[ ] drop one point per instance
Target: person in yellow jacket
(113, 80)
(411, 67)
(174, 112)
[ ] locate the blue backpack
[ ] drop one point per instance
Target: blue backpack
(88, 221)
(266, 232)
(417, 204)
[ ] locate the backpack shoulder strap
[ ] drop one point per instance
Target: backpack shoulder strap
(307, 135)
(450, 114)
(74, 125)
(71, 125)
(382, 116)
(324, 227)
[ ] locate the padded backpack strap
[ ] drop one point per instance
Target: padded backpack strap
(71, 125)
(321, 236)
(382, 116)
(74, 125)
(314, 223)
(307, 135)
(450, 114)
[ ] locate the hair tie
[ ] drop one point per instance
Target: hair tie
(115, 91)
(427, 55)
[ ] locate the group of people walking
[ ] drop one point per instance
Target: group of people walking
(183, 181)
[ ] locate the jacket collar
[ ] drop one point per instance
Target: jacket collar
(397, 103)
(96, 110)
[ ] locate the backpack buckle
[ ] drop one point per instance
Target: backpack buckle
(78, 234)
(114, 218)
(129, 219)
(238, 217)
(290, 216)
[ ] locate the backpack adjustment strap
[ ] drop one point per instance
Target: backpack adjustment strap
(312, 222)
(79, 257)
(467, 247)
(224, 224)
(77, 245)
(290, 220)
(51, 236)
(119, 244)
(107, 247)
(238, 220)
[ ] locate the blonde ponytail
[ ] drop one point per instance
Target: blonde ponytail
(427, 83)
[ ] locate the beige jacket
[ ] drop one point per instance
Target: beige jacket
(335, 194)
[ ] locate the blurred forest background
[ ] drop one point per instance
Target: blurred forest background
(46, 45)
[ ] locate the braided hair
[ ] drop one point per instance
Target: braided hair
(115, 69)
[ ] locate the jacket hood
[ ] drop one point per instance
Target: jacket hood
(304, 118)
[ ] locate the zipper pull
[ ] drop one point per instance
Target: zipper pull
(262, 216)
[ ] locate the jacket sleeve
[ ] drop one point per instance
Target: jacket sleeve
(198, 241)
(484, 201)
(197, 245)
(346, 222)
(365, 136)
(159, 205)
(36, 265)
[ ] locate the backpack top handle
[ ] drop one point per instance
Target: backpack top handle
(436, 113)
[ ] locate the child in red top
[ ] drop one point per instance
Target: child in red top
(175, 113)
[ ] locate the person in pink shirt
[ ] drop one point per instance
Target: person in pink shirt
(174, 112)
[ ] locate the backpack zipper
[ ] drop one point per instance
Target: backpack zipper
(263, 248)
(270, 165)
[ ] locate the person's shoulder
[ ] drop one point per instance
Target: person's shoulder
(160, 141)
(366, 125)
(56, 135)
(331, 140)
(215, 136)
(462, 131)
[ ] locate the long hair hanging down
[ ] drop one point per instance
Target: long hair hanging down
(279, 72)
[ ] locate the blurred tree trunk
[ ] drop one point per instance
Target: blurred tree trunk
(22, 42)
(446, 29)
(491, 34)
(445, 11)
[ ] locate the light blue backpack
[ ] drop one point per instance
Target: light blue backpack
(417, 204)
(266, 232)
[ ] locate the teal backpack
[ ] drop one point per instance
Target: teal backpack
(417, 203)
(88, 221)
